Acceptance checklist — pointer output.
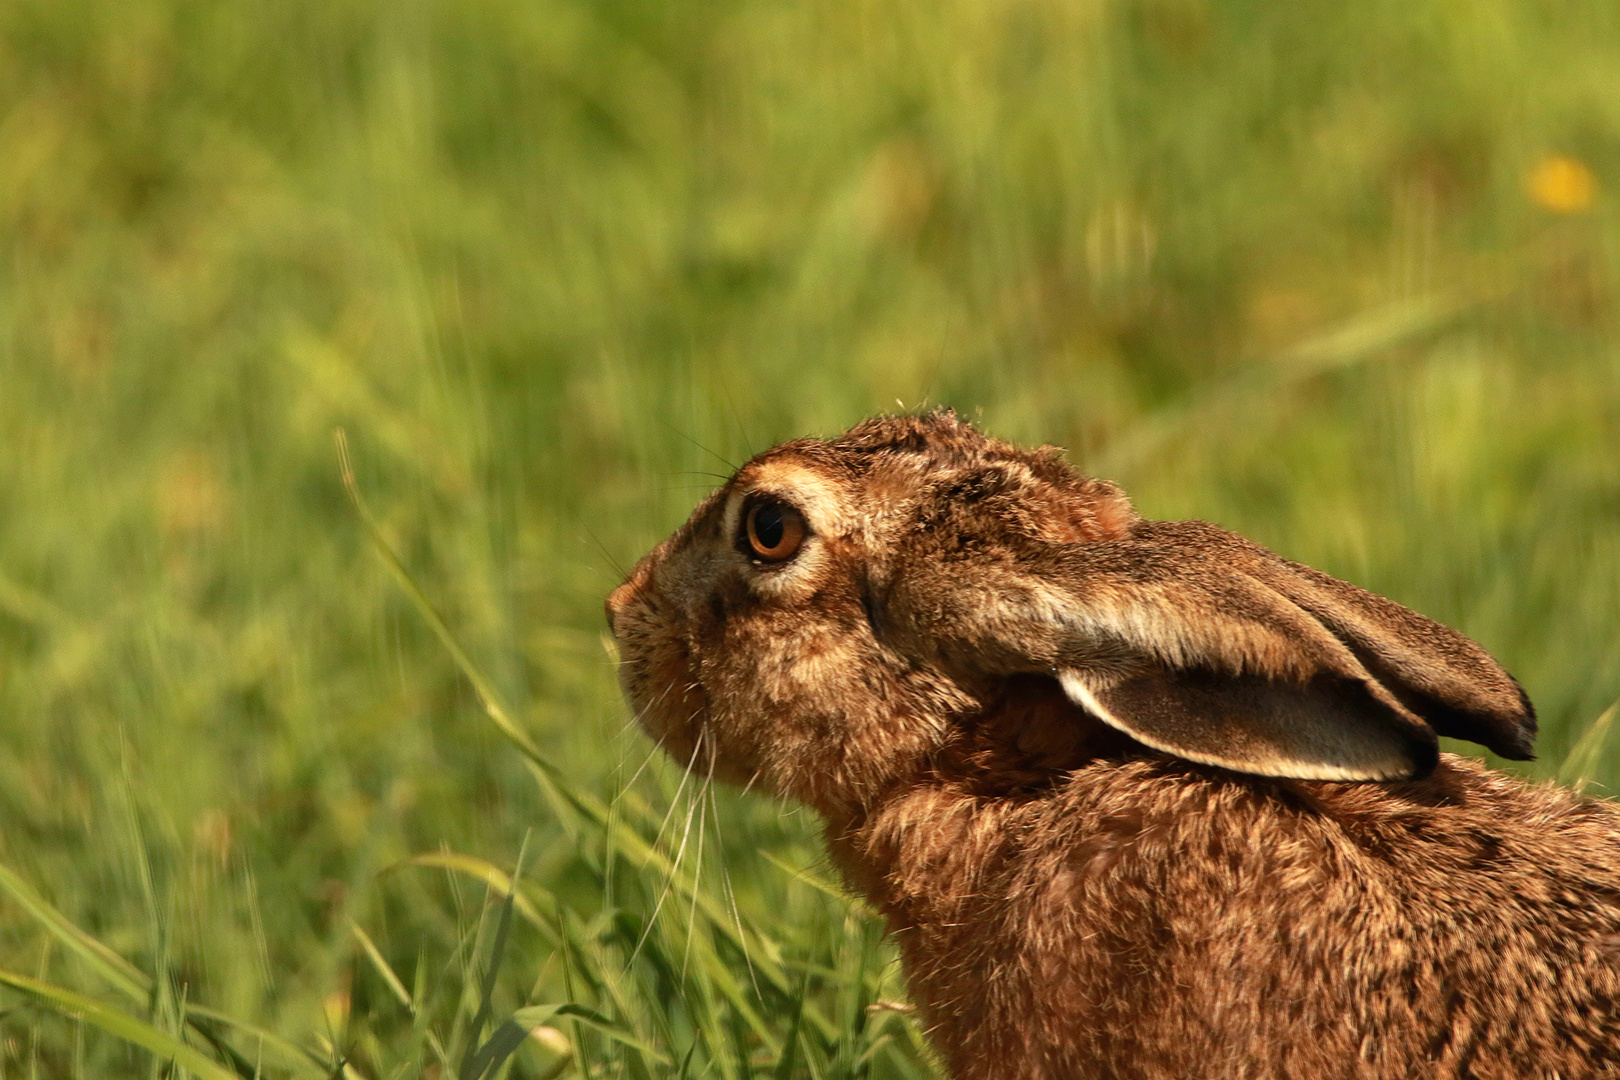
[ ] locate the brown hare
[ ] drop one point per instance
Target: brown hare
(1138, 799)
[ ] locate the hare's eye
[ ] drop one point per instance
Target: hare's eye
(775, 532)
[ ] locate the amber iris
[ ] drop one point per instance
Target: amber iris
(775, 532)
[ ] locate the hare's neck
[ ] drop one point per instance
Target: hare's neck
(947, 830)
(937, 851)
(947, 825)
(925, 851)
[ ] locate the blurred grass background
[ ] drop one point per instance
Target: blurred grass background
(1340, 278)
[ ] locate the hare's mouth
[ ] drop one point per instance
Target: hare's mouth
(660, 682)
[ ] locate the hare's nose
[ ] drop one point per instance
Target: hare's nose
(617, 601)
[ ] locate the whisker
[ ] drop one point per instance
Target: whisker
(634, 720)
(697, 871)
(618, 568)
(697, 444)
(686, 774)
(725, 881)
(737, 416)
(646, 759)
(675, 865)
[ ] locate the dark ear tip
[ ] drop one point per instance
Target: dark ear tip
(1517, 750)
(1511, 737)
(1425, 757)
(1518, 744)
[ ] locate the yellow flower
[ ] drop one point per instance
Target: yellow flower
(1562, 185)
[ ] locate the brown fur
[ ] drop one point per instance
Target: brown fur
(996, 683)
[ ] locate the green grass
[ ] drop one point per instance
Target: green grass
(1340, 278)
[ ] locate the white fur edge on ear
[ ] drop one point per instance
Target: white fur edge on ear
(1074, 685)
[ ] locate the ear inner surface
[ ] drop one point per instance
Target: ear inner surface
(1434, 671)
(1329, 728)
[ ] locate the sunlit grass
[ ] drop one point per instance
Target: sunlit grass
(1339, 279)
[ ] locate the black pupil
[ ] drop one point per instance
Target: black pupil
(768, 527)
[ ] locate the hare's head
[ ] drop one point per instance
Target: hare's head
(846, 614)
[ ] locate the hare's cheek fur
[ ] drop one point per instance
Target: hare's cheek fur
(771, 675)
(807, 701)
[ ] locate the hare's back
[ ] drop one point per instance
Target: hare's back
(1225, 925)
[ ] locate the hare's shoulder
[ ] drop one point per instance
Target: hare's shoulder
(1174, 834)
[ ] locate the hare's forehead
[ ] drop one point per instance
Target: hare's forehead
(835, 501)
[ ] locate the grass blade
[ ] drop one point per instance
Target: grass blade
(487, 696)
(1583, 760)
(510, 1035)
(136, 985)
(125, 977)
(131, 1029)
(470, 1069)
(493, 878)
(383, 968)
(790, 1045)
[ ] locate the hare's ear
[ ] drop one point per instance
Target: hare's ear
(1199, 643)
(1324, 729)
